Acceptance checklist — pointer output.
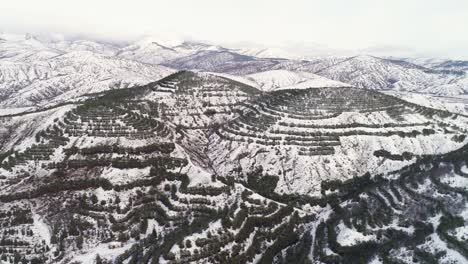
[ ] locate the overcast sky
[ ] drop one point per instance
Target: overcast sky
(436, 27)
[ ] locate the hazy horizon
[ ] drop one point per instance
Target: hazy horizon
(398, 28)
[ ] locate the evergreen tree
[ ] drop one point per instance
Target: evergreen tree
(79, 242)
(98, 259)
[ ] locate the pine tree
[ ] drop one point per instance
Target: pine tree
(94, 199)
(53, 239)
(98, 259)
(143, 226)
(79, 242)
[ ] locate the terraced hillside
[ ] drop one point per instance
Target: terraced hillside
(150, 175)
(109, 177)
(310, 135)
(415, 215)
(198, 100)
(178, 108)
(159, 214)
(65, 186)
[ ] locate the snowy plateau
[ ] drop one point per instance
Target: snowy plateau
(187, 152)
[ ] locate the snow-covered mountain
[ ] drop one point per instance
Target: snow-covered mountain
(268, 53)
(24, 48)
(34, 72)
(440, 64)
(101, 48)
(284, 79)
(423, 61)
(453, 66)
(360, 71)
(154, 52)
(440, 77)
(381, 74)
(69, 76)
(291, 50)
(223, 61)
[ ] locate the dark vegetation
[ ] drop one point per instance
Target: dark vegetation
(248, 209)
(256, 120)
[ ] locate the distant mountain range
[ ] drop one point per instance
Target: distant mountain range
(35, 70)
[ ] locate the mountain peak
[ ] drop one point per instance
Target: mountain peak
(366, 57)
(160, 40)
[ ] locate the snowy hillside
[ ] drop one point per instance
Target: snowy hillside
(452, 65)
(457, 105)
(69, 76)
(360, 71)
(283, 79)
(292, 51)
(312, 135)
(65, 46)
(376, 73)
(268, 53)
(223, 61)
(24, 48)
(440, 64)
(35, 72)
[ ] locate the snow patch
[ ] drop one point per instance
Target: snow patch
(349, 237)
(42, 228)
